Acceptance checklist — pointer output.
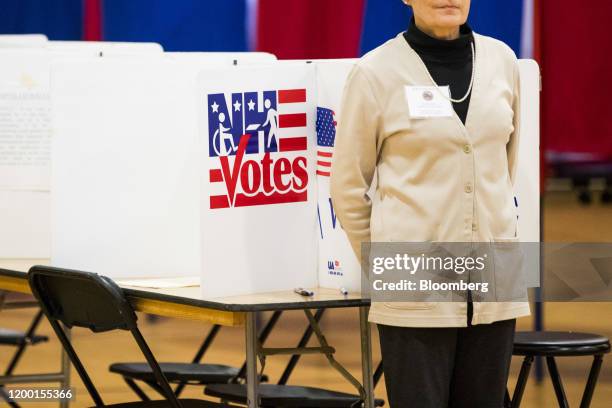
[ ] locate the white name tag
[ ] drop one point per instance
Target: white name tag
(428, 102)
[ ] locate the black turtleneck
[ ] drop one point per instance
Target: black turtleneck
(449, 61)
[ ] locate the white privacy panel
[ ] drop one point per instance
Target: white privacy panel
(226, 58)
(26, 132)
(125, 167)
(22, 40)
(337, 264)
(106, 48)
(25, 152)
(257, 127)
(527, 184)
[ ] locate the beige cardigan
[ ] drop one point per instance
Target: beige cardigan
(437, 179)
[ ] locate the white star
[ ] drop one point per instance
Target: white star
(215, 107)
(237, 106)
(251, 105)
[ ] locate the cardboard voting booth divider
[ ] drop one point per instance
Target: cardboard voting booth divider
(258, 182)
(25, 134)
(23, 40)
(106, 48)
(527, 184)
(125, 170)
(137, 195)
(338, 266)
(138, 199)
(172, 167)
(226, 58)
(25, 152)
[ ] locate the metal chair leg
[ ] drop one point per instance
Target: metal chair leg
(137, 390)
(210, 337)
(5, 396)
(591, 382)
(17, 356)
(556, 380)
(517, 397)
(156, 388)
(507, 400)
(29, 334)
(378, 373)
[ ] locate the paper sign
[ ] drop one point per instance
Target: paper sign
(257, 128)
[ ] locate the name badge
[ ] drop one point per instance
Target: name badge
(428, 102)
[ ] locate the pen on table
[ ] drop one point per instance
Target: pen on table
(304, 292)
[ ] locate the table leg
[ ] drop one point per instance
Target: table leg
(65, 370)
(366, 357)
(251, 359)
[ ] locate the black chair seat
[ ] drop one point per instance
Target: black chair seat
(15, 338)
(273, 395)
(178, 372)
(550, 343)
(186, 403)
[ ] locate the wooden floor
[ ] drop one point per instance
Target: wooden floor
(174, 340)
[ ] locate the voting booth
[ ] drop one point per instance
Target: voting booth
(217, 168)
(26, 132)
(23, 41)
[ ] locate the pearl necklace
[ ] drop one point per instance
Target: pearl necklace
(471, 80)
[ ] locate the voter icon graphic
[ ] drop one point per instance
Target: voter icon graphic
(257, 148)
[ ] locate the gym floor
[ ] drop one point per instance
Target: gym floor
(177, 340)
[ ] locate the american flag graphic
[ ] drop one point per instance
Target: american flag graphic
(326, 136)
(292, 122)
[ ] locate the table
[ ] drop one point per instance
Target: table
(187, 303)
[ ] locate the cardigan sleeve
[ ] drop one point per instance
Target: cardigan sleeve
(513, 143)
(354, 158)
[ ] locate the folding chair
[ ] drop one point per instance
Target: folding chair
(18, 339)
(193, 373)
(293, 396)
(88, 300)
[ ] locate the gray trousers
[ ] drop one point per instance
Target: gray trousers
(447, 367)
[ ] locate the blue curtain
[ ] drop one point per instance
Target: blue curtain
(499, 19)
(57, 19)
(187, 25)
(178, 25)
(384, 19)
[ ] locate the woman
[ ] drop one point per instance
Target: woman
(443, 175)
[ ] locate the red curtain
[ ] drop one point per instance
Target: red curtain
(310, 29)
(576, 60)
(92, 20)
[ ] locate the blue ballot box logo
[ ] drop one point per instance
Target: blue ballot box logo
(255, 139)
(334, 268)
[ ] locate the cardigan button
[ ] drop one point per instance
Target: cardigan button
(467, 149)
(468, 188)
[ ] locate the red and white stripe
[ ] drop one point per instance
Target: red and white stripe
(292, 120)
(324, 160)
